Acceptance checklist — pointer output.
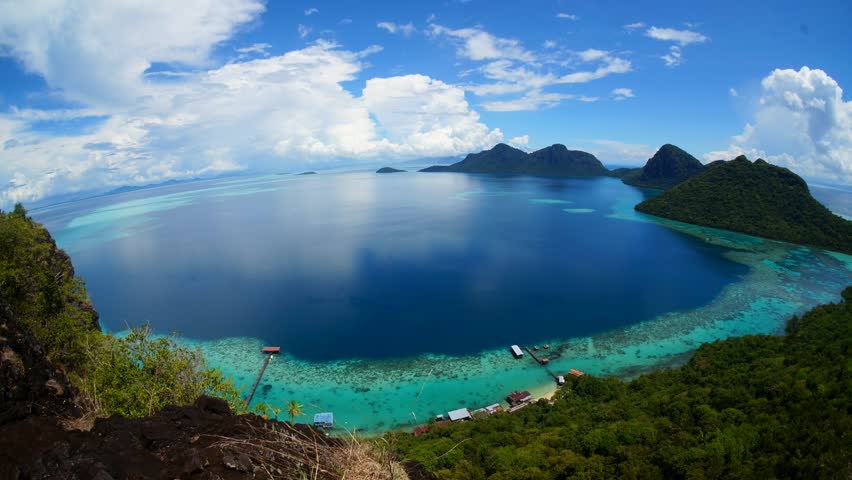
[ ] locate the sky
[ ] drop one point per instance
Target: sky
(104, 93)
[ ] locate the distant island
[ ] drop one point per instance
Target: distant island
(553, 161)
(389, 170)
(307, 173)
(667, 168)
(133, 188)
(753, 198)
(436, 168)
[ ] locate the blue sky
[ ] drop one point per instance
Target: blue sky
(98, 94)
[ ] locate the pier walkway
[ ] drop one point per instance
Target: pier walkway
(538, 361)
(257, 381)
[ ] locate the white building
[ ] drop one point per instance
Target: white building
(460, 414)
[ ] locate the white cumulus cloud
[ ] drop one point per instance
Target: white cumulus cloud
(511, 68)
(406, 29)
(266, 114)
(683, 37)
(97, 50)
(477, 44)
(622, 93)
(801, 122)
(534, 100)
(522, 142)
(674, 57)
(567, 16)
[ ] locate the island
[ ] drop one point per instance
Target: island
(436, 168)
(667, 168)
(553, 161)
(389, 170)
(623, 171)
(756, 198)
(307, 173)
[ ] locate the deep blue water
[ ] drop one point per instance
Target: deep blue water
(361, 265)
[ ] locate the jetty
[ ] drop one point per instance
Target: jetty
(543, 362)
(271, 351)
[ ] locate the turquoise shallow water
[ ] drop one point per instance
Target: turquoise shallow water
(380, 394)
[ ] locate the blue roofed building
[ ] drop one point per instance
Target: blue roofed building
(324, 420)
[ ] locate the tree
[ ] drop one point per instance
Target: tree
(294, 409)
(19, 211)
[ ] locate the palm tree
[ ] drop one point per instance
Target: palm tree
(294, 409)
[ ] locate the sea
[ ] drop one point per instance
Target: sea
(396, 297)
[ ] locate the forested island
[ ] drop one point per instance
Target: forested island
(389, 170)
(554, 161)
(755, 198)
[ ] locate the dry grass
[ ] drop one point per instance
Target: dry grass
(368, 460)
(89, 409)
(283, 451)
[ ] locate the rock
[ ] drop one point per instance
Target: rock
(194, 463)
(102, 475)
(240, 463)
(159, 432)
(213, 405)
(29, 382)
(55, 387)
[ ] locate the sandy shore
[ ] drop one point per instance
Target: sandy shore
(544, 391)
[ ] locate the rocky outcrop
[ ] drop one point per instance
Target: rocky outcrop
(667, 168)
(201, 441)
(29, 383)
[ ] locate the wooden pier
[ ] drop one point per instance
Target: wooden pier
(543, 364)
(272, 351)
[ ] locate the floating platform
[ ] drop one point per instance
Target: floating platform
(516, 351)
(271, 350)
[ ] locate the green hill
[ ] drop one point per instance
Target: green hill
(553, 161)
(668, 167)
(754, 198)
(750, 407)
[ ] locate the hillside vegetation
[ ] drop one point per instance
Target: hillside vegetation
(749, 407)
(134, 375)
(754, 198)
